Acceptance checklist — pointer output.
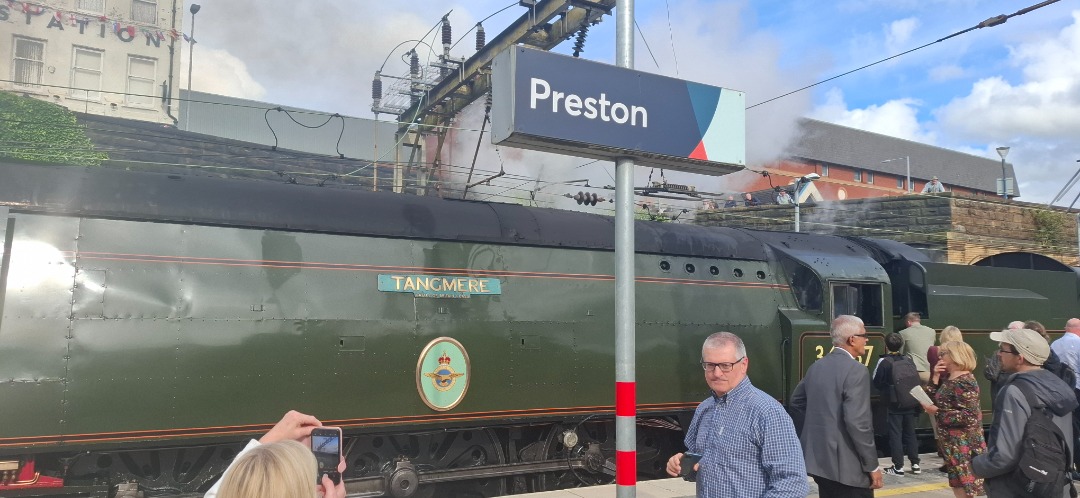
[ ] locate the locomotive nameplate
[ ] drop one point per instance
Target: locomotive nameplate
(442, 374)
(440, 285)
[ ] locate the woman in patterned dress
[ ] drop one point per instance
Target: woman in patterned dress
(959, 417)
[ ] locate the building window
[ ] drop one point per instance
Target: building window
(899, 182)
(824, 170)
(140, 84)
(86, 73)
(869, 177)
(28, 63)
(144, 11)
(858, 175)
(92, 6)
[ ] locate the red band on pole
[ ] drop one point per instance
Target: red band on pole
(625, 399)
(626, 468)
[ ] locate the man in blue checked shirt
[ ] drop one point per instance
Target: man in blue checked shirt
(747, 441)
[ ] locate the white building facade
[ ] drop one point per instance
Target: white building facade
(109, 57)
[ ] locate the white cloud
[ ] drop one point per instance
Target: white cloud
(898, 33)
(1037, 116)
(323, 55)
(218, 71)
(1045, 105)
(895, 118)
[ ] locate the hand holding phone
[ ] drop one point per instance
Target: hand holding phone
(326, 445)
(686, 465)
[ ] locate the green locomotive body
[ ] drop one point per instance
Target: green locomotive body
(151, 323)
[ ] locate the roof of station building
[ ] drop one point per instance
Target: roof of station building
(834, 144)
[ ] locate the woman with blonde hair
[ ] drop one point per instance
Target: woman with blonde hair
(285, 469)
(279, 465)
(948, 334)
(959, 417)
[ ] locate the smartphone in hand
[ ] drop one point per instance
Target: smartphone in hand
(326, 445)
(686, 465)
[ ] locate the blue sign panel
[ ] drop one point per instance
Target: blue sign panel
(440, 286)
(556, 103)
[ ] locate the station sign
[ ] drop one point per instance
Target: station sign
(556, 103)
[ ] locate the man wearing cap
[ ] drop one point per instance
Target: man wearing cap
(933, 186)
(1022, 353)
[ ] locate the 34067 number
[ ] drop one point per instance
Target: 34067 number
(819, 352)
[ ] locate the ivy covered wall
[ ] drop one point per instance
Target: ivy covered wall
(36, 131)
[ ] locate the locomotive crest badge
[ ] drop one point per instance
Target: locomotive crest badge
(442, 374)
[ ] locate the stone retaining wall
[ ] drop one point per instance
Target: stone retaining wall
(951, 227)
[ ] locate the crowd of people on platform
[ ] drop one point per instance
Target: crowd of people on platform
(744, 445)
(742, 442)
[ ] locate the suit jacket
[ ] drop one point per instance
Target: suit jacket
(831, 409)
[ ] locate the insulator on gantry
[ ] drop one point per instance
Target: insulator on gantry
(376, 89)
(481, 37)
(447, 38)
(414, 64)
(579, 43)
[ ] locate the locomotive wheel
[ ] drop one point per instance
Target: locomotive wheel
(159, 472)
(373, 455)
(597, 434)
(654, 446)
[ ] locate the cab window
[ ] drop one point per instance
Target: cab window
(804, 284)
(861, 300)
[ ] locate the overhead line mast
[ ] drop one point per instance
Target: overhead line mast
(469, 81)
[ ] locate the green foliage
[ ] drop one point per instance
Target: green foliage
(651, 216)
(37, 131)
(1050, 227)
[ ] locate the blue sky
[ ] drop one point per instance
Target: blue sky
(1017, 84)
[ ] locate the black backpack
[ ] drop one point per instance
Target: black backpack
(1043, 469)
(1062, 370)
(905, 377)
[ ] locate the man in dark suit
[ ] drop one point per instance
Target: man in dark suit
(831, 409)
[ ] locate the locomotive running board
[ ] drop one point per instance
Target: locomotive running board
(377, 486)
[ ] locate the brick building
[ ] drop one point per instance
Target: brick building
(852, 165)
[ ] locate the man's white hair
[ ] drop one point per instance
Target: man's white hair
(844, 327)
(721, 339)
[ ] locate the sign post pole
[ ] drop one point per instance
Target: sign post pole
(625, 340)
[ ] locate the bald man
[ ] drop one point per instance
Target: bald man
(1068, 346)
(1067, 349)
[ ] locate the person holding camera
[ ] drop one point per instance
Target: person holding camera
(279, 465)
(741, 442)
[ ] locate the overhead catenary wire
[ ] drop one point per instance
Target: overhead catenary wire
(671, 37)
(991, 22)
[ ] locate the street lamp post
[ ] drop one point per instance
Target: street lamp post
(1004, 151)
(798, 184)
(907, 161)
(191, 63)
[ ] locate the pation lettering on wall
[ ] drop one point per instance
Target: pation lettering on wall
(58, 19)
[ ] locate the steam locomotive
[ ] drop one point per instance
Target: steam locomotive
(151, 323)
